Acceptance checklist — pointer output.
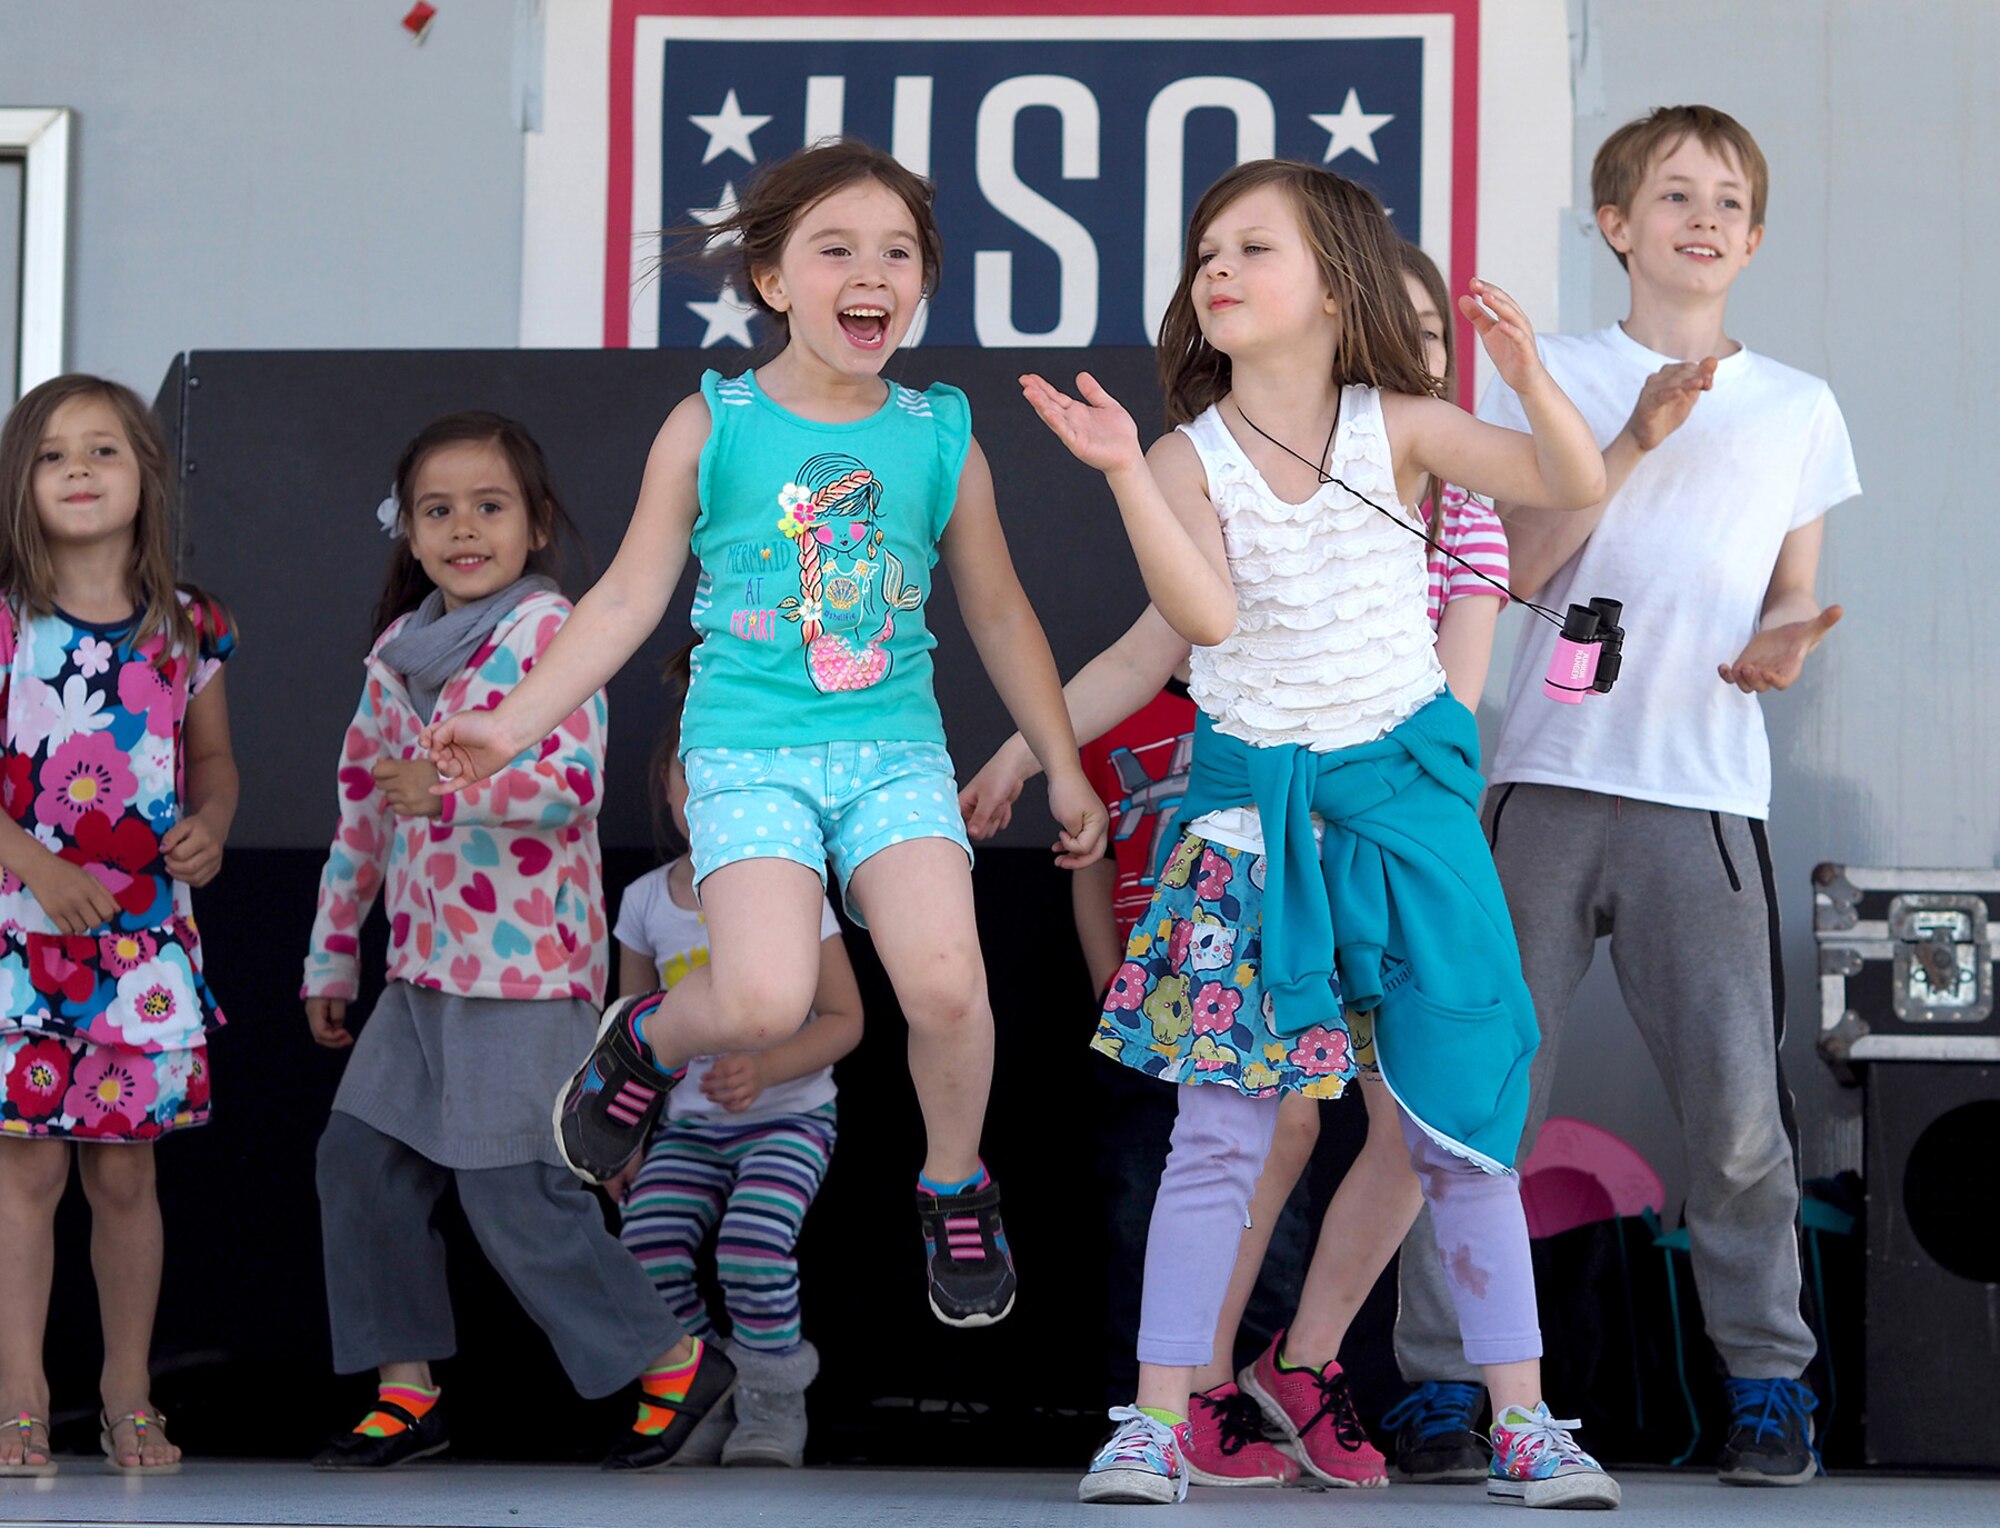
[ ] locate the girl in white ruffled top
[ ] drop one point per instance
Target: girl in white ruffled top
(1331, 906)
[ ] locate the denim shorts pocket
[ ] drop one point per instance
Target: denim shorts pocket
(721, 769)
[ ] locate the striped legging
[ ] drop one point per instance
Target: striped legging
(757, 1181)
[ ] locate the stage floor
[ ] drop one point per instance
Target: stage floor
(214, 1493)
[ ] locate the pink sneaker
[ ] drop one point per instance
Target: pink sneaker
(1315, 1412)
(1228, 1447)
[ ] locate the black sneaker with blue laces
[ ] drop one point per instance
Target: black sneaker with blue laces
(1770, 1440)
(1438, 1442)
(605, 1113)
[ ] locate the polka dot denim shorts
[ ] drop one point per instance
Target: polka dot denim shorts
(843, 802)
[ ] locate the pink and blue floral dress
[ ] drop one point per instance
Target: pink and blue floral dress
(103, 1036)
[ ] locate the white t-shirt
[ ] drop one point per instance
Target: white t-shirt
(1689, 545)
(674, 939)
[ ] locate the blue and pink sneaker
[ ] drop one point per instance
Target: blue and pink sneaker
(1143, 1464)
(1536, 1463)
(606, 1111)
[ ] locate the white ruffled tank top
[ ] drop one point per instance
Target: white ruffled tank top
(1333, 643)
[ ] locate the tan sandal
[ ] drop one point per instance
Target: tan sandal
(28, 1425)
(142, 1423)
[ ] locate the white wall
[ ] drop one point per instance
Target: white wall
(1883, 135)
(273, 174)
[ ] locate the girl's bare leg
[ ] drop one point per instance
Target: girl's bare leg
(33, 1175)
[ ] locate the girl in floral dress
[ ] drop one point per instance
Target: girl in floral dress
(118, 789)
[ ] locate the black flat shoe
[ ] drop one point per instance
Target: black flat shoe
(420, 1438)
(713, 1382)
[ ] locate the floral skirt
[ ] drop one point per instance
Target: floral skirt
(1189, 1005)
(65, 1088)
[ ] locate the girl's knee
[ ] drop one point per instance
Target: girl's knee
(1297, 1132)
(118, 1177)
(34, 1171)
(761, 1007)
(950, 998)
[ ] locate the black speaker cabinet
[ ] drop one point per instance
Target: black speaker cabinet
(1933, 1300)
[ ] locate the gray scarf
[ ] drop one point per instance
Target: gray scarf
(434, 644)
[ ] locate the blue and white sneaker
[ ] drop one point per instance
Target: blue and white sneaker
(1770, 1440)
(1536, 1463)
(1143, 1464)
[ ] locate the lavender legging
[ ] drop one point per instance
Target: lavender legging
(1220, 1141)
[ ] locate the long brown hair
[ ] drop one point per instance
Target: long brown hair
(407, 583)
(27, 574)
(1352, 239)
(782, 192)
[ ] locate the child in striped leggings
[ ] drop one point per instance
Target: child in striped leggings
(740, 1151)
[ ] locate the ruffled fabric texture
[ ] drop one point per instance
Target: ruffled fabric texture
(1332, 645)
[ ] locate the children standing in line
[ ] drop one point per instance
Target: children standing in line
(496, 967)
(1296, 572)
(740, 1151)
(818, 497)
(1297, 1388)
(119, 789)
(1642, 813)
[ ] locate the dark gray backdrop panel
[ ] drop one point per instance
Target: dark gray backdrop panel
(284, 456)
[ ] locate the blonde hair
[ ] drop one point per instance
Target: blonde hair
(1624, 158)
(1357, 252)
(27, 573)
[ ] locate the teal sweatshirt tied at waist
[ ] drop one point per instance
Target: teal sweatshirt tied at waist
(1402, 901)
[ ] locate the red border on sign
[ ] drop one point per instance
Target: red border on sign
(625, 13)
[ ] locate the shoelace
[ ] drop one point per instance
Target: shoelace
(1137, 1433)
(1436, 1406)
(1765, 1405)
(963, 1239)
(1239, 1420)
(1543, 1434)
(1336, 1404)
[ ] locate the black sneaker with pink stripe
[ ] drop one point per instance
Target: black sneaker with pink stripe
(605, 1113)
(971, 1271)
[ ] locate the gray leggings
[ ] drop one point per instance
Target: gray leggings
(1221, 1139)
(541, 1229)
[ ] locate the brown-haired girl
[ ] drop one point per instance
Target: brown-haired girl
(818, 496)
(119, 788)
(1332, 866)
(497, 955)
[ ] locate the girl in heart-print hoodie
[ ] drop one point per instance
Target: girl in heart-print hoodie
(497, 962)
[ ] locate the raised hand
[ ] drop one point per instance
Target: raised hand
(326, 1017)
(409, 786)
(1080, 812)
(1504, 330)
(466, 748)
(1774, 658)
(1097, 430)
(1667, 399)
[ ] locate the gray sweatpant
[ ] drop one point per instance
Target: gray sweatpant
(1686, 897)
(541, 1229)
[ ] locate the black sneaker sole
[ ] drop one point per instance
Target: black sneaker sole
(975, 1318)
(1744, 1475)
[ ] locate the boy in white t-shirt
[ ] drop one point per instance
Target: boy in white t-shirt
(1640, 814)
(741, 1152)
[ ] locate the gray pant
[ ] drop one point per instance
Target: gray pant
(1687, 899)
(540, 1228)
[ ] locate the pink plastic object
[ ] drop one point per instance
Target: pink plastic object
(1572, 671)
(1579, 1173)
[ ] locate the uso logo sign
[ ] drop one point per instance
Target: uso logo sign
(1067, 149)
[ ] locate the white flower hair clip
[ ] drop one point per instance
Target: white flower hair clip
(389, 515)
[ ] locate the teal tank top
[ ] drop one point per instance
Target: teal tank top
(817, 544)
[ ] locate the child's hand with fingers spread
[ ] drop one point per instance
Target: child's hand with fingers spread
(1504, 330)
(1097, 430)
(1775, 657)
(1667, 399)
(465, 749)
(987, 801)
(1080, 811)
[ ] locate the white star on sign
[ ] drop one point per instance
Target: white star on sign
(709, 217)
(1352, 128)
(729, 130)
(728, 317)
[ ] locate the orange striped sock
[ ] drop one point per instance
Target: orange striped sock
(661, 1392)
(415, 1399)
